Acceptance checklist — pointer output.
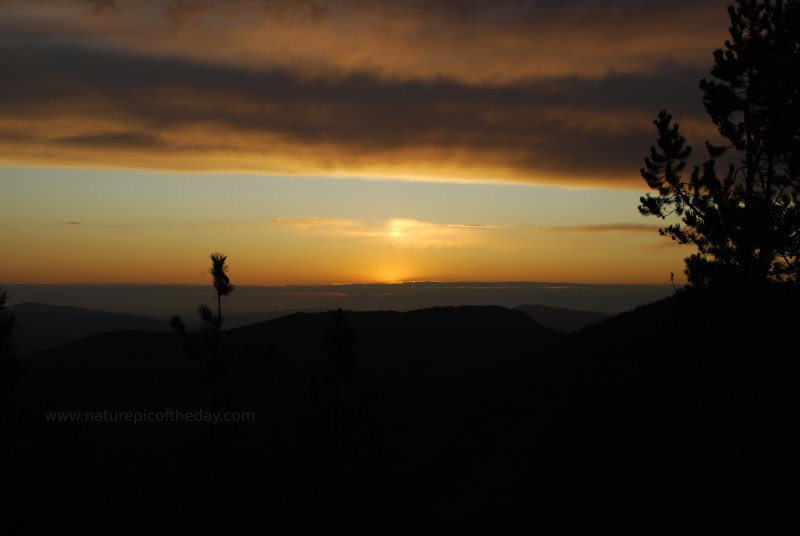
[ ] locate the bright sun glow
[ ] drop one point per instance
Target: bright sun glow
(391, 274)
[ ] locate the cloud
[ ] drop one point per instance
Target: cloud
(96, 108)
(402, 232)
(100, 6)
(475, 226)
(474, 41)
(313, 222)
(182, 13)
(101, 140)
(468, 91)
(606, 228)
(396, 232)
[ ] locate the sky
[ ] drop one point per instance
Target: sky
(356, 141)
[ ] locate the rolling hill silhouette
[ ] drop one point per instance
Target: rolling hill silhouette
(41, 326)
(457, 418)
(418, 346)
(564, 320)
(413, 373)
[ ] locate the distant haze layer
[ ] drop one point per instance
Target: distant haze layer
(160, 300)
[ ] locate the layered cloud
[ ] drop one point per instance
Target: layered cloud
(560, 94)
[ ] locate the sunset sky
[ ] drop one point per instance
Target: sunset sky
(355, 141)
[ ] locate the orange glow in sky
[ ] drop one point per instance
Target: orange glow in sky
(339, 142)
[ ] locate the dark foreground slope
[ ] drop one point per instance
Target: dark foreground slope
(671, 418)
(675, 417)
(297, 461)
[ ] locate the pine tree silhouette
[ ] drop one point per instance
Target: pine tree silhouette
(745, 223)
(218, 447)
(223, 287)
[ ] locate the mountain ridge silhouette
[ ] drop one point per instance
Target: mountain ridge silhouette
(41, 326)
(655, 417)
(562, 319)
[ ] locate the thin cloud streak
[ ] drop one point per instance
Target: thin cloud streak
(604, 228)
(475, 226)
(397, 232)
(313, 222)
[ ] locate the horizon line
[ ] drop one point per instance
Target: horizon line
(406, 282)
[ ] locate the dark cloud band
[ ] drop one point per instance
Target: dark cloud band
(594, 128)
